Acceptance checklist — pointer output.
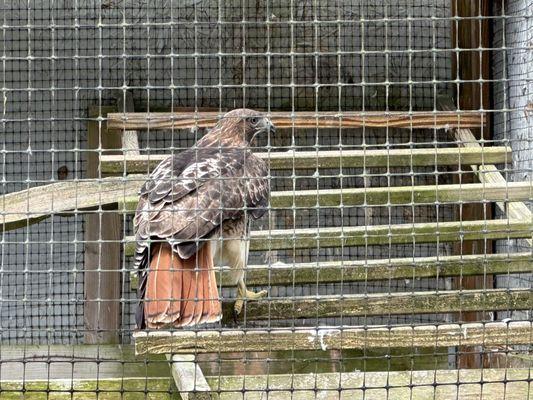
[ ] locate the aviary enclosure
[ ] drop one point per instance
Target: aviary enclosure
(396, 245)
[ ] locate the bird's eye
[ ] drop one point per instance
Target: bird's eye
(254, 120)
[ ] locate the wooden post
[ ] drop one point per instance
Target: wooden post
(472, 65)
(130, 139)
(103, 234)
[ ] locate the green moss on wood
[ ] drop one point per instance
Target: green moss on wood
(431, 336)
(387, 304)
(413, 385)
(401, 195)
(368, 270)
(432, 232)
(453, 156)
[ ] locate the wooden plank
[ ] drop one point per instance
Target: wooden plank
(188, 377)
(419, 157)
(399, 195)
(471, 69)
(66, 198)
(370, 270)
(66, 388)
(308, 238)
(77, 362)
(488, 384)
(130, 140)
(109, 193)
(214, 341)
(430, 302)
(102, 259)
(385, 234)
(346, 119)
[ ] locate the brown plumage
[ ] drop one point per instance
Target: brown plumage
(207, 192)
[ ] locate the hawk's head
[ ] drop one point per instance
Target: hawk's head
(245, 123)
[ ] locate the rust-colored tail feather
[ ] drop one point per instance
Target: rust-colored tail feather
(181, 292)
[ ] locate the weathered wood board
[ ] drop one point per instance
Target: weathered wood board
(368, 270)
(214, 341)
(346, 119)
(350, 305)
(488, 384)
(347, 158)
(28, 206)
(379, 234)
(398, 195)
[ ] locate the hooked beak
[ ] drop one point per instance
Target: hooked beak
(271, 129)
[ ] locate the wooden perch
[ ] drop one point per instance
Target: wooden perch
(347, 119)
(447, 156)
(371, 270)
(183, 342)
(488, 173)
(353, 305)
(427, 232)
(28, 206)
(397, 195)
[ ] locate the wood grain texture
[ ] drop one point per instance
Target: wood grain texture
(189, 378)
(67, 198)
(431, 232)
(488, 384)
(347, 119)
(212, 341)
(398, 195)
(448, 156)
(387, 304)
(370, 270)
(102, 283)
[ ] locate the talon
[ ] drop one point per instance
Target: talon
(248, 295)
(237, 308)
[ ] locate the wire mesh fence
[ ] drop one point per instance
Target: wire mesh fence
(394, 243)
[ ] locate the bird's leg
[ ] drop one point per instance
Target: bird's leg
(244, 294)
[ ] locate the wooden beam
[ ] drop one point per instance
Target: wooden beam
(214, 341)
(387, 304)
(130, 139)
(188, 377)
(66, 198)
(431, 232)
(487, 384)
(71, 197)
(371, 270)
(102, 278)
(48, 362)
(440, 384)
(420, 157)
(488, 173)
(347, 119)
(471, 68)
(376, 196)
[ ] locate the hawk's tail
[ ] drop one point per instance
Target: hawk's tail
(180, 292)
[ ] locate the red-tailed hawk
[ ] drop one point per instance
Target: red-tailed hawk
(195, 207)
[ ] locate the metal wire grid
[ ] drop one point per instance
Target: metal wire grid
(60, 58)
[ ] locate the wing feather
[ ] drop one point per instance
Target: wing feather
(189, 196)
